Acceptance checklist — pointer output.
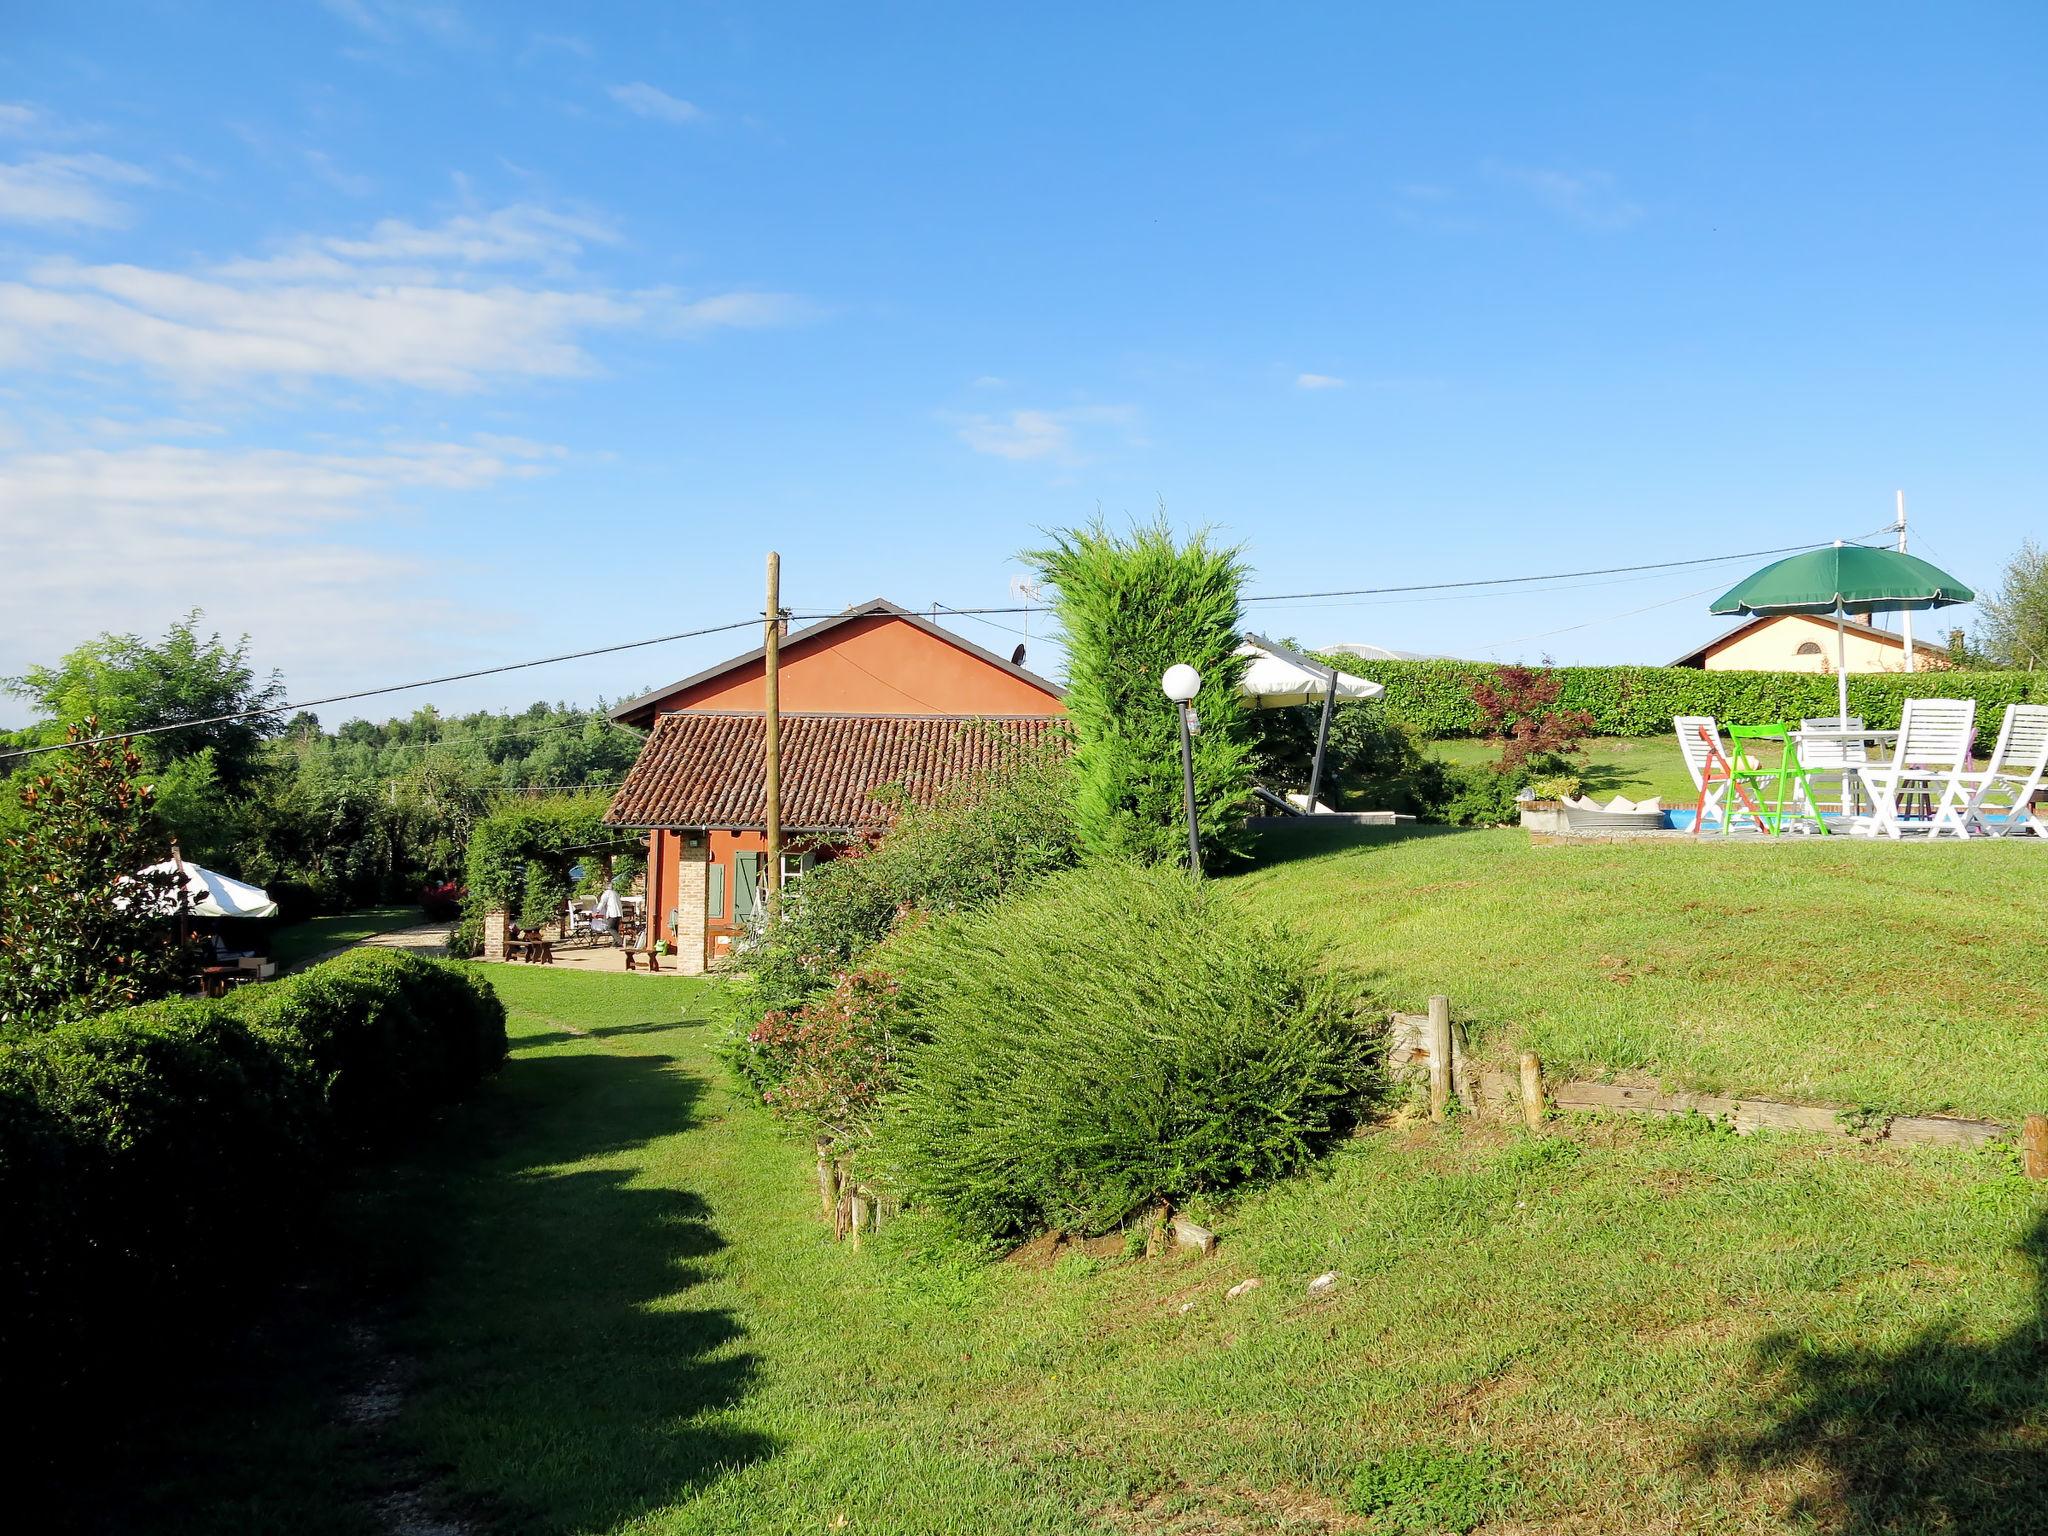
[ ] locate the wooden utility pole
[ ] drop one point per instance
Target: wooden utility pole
(771, 656)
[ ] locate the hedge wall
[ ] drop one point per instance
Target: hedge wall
(150, 1153)
(1434, 698)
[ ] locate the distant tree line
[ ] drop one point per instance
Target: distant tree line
(326, 819)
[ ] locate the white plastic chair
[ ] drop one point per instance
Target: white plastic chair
(1698, 737)
(2018, 764)
(1933, 754)
(1836, 757)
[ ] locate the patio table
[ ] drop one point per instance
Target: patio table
(1915, 805)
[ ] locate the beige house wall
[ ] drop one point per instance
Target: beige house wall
(1773, 646)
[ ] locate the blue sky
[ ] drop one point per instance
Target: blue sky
(413, 337)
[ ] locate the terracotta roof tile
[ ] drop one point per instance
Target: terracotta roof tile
(705, 768)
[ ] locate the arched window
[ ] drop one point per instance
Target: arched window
(1808, 648)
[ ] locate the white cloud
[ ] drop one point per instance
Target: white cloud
(156, 427)
(66, 189)
(1038, 434)
(1591, 198)
(18, 117)
(402, 305)
(128, 538)
(1317, 381)
(646, 100)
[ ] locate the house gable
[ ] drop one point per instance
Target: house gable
(1803, 642)
(873, 659)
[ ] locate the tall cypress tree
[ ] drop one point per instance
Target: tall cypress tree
(1132, 606)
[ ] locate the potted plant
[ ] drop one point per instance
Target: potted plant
(1542, 801)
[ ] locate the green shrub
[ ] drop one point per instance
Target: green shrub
(1426, 1489)
(1370, 763)
(149, 1153)
(1434, 698)
(1131, 608)
(392, 1035)
(978, 842)
(823, 1066)
(1114, 1037)
(1477, 796)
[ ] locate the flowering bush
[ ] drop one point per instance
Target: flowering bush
(822, 1066)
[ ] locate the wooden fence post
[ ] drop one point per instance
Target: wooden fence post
(1532, 1090)
(857, 1218)
(1439, 1056)
(828, 1178)
(2034, 1146)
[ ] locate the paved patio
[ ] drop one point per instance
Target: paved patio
(577, 955)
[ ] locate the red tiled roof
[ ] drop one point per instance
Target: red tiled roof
(706, 768)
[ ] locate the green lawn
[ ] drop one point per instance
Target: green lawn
(1907, 977)
(602, 1300)
(299, 942)
(1613, 765)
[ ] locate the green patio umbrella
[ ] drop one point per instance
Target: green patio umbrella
(1837, 580)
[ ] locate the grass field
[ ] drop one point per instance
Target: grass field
(1905, 977)
(298, 942)
(1613, 765)
(601, 1300)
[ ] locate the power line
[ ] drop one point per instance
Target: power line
(371, 693)
(727, 628)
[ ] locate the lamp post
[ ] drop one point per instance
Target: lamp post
(1181, 683)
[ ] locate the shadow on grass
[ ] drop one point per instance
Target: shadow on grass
(1943, 1433)
(492, 1325)
(566, 1375)
(1291, 839)
(526, 1043)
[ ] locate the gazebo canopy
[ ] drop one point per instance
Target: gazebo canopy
(1277, 676)
(208, 893)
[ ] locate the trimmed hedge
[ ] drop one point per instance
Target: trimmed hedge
(1434, 698)
(147, 1152)
(391, 1035)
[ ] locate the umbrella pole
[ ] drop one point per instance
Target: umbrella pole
(1841, 669)
(1315, 776)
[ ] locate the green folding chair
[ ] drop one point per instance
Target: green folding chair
(1780, 790)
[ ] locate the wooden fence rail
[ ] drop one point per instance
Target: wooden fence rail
(1416, 1038)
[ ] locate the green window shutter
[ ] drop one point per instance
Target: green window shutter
(714, 891)
(746, 885)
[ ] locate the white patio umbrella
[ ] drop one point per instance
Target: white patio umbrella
(208, 893)
(1277, 677)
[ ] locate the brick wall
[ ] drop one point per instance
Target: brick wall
(691, 864)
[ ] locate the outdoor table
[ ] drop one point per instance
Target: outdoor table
(1916, 804)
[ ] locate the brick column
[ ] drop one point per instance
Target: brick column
(494, 933)
(691, 864)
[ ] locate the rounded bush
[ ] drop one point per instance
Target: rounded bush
(1115, 1037)
(391, 1034)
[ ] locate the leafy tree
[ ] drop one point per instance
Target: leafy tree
(1132, 607)
(79, 934)
(1518, 713)
(129, 684)
(2013, 628)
